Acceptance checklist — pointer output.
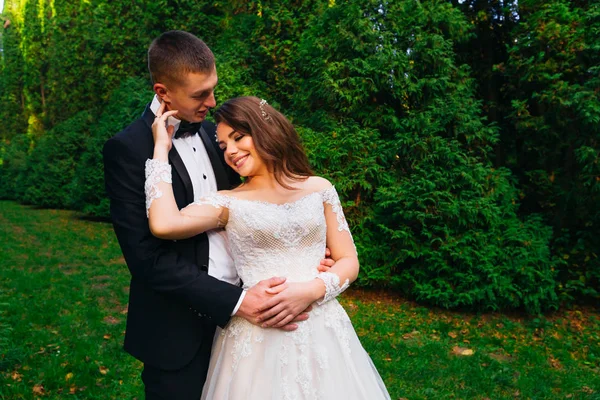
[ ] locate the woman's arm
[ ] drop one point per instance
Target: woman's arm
(339, 239)
(165, 219)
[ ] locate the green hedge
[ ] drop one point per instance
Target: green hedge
(458, 196)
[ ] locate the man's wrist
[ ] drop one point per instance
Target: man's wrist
(239, 303)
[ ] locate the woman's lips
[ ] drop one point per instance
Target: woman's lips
(239, 161)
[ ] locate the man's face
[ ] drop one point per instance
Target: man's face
(194, 97)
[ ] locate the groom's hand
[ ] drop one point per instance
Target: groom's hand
(285, 307)
(258, 295)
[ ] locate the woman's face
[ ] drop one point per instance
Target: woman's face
(240, 153)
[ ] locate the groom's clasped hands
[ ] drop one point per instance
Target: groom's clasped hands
(276, 303)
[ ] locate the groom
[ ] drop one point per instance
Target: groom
(179, 290)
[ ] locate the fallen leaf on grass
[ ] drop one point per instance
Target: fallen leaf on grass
(69, 376)
(587, 390)
(38, 389)
(111, 320)
(453, 335)
(411, 335)
(461, 351)
(107, 336)
(500, 357)
(16, 376)
(103, 370)
(554, 363)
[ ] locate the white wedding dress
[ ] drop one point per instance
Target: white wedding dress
(323, 359)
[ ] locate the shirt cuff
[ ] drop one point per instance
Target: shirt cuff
(239, 303)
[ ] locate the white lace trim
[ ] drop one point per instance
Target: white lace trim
(332, 286)
(330, 196)
(156, 171)
(215, 199)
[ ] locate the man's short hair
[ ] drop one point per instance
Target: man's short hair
(174, 54)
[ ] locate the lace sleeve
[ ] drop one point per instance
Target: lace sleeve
(156, 172)
(216, 200)
(333, 287)
(331, 197)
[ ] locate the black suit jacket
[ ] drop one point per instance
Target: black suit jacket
(173, 302)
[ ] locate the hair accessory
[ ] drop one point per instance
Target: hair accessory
(265, 115)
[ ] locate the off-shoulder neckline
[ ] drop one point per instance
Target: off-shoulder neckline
(285, 204)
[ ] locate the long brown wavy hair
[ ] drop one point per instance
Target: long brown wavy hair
(275, 139)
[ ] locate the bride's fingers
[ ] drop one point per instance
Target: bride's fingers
(289, 327)
(277, 289)
(301, 317)
(161, 109)
(269, 304)
(283, 316)
(161, 119)
(284, 322)
(168, 114)
(270, 313)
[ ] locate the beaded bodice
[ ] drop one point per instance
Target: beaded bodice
(268, 239)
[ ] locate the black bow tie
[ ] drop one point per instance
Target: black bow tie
(187, 129)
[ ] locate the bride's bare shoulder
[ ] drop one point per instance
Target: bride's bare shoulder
(241, 192)
(316, 184)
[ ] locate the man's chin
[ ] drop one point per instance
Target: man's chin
(196, 119)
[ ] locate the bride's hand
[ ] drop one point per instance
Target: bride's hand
(288, 303)
(162, 134)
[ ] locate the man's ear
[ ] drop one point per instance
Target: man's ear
(162, 92)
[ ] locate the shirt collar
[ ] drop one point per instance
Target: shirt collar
(171, 120)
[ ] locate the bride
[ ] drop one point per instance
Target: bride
(277, 222)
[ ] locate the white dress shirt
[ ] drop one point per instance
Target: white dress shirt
(195, 158)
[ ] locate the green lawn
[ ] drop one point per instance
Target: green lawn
(63, 303)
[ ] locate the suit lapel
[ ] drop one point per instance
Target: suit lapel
(179, 167)
(217, 164)
(174, 159)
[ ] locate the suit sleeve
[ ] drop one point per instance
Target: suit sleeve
(151, 260)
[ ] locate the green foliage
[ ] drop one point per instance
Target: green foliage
(462, 136)
(441, 220)
(52, 163)
(11, 85)
(553, 79)
(357, 149)
(127, 103)
(14, 153)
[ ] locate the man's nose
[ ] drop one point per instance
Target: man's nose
(210, 101)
